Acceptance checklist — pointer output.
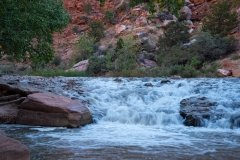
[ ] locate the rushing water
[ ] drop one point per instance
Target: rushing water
(133, 121)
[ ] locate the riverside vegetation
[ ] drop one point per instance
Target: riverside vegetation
(173, 56)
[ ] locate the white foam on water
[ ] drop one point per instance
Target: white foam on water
(128, 113)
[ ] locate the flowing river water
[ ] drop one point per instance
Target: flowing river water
(135, 121)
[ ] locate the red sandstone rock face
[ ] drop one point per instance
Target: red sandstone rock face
(236, 73)
(47, 109)
(11, 149)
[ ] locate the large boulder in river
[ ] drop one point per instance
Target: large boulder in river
(11, 149)
(194, 110)
(46, 109)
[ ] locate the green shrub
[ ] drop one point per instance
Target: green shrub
(7, 68)
(97, 65)
(235, 56)
(96, 30)
(57, 60)
(177, 55)
(87, 8)
(126, 56)
(221, 19)
(120, 44)
(189, 71)
(176, 34)
(84, 48)
(37, 65)
(124, 7)
(209, 69)
(209, 47)
(176, 70)
(109, 16)
(10, 58)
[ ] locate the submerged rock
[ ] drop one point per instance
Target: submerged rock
(46, 109)
(11, 149)
(148, 85)
(194, 110)
(235, 120)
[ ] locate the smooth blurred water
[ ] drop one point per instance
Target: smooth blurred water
(133, 121)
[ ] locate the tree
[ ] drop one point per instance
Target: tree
(176, 34)
(85, 47)
(96, 30)
(27, 27)
(220, 20)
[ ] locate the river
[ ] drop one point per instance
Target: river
(135, 121)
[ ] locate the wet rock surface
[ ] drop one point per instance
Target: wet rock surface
(194, 110)
(11, 149)
(46, 109)
(42, 107)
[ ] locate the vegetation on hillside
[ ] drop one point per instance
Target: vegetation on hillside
(221, 19)
(178, 52)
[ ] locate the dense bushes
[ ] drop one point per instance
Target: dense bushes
(84, 48)
(176, 34)
(87, 7)
(109, 16)
(97, 65)
(209, 48)
(96, 30)
(220, 20)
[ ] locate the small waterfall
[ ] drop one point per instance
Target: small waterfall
(136, 120)
(132, 102)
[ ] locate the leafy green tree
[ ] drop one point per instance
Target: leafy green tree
(220, 20)
(27, 27)
(125, 54)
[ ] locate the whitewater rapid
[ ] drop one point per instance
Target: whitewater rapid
(133, 120)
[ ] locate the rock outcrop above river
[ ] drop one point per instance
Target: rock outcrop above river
(194, 110)
(11, 149)
(46, 109)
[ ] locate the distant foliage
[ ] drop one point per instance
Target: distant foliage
(97, 65)
(176, 55)
(96, 30)
(57, 60)
(87, 8)
(209, 48)
(110, 16)
(176, 34)
(126, 56)
(84, 48)
(220, 20)
(120, 44)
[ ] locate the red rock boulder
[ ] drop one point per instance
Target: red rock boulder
(46, 109)
(11, 149)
